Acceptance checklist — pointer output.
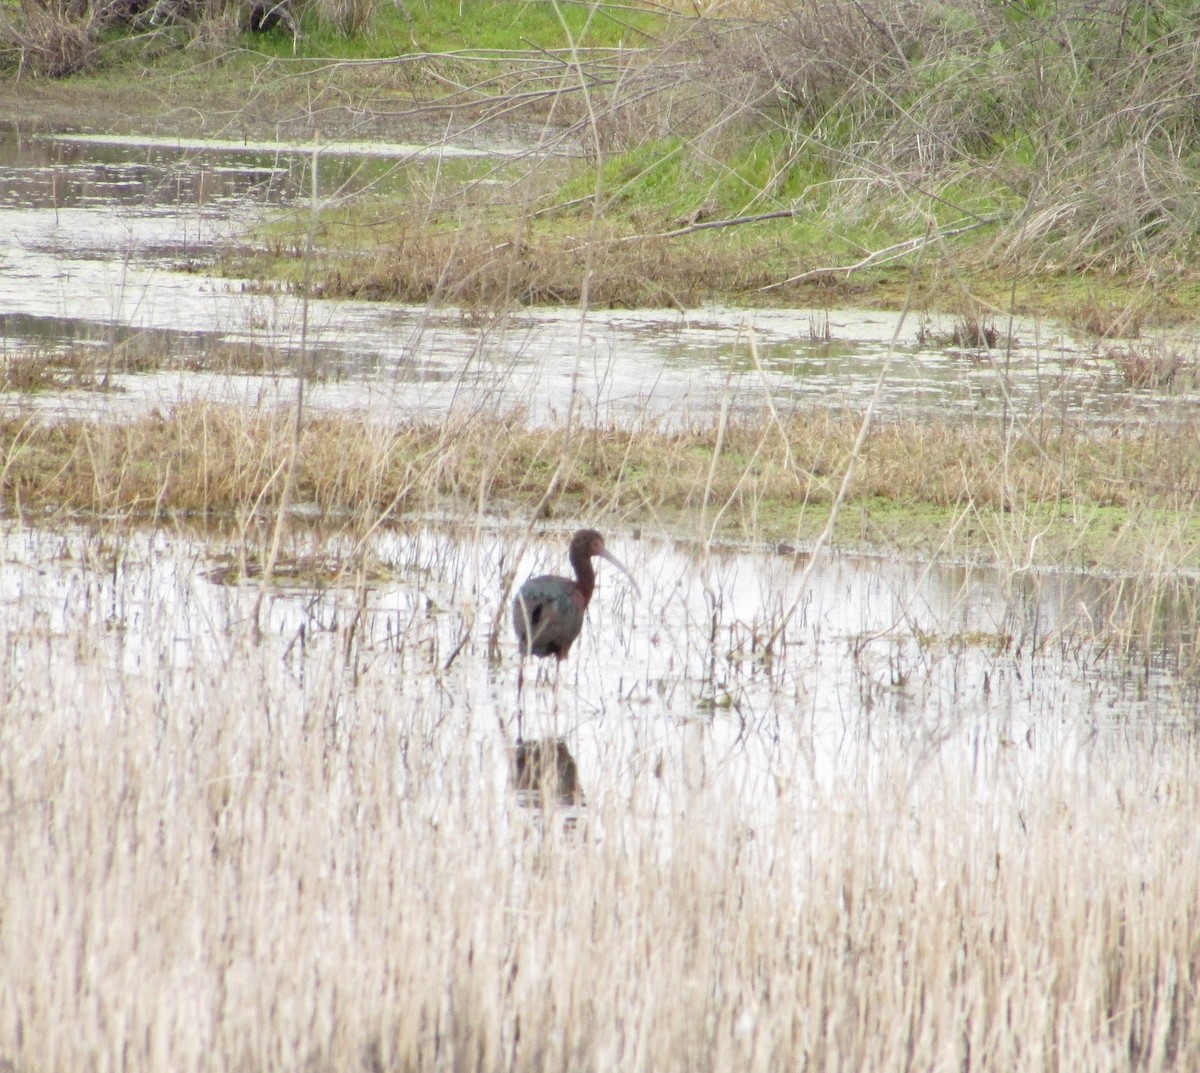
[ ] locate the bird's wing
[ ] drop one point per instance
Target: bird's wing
(549, 610)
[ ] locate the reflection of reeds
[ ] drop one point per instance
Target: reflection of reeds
(91, 368)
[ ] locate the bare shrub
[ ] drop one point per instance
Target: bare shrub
(814, 55)
(51, 39)
(1111, 205)
(1106, 320)
(1156, 366)
(892, 78)
(58, 38)
(1078, 116)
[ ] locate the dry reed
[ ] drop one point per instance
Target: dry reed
(230, 854)
(226, 462)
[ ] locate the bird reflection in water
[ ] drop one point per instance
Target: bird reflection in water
(544, 774)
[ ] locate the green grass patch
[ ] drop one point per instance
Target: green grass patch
(475, 26)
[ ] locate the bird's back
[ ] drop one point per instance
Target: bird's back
(548, 615)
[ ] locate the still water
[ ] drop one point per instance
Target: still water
(1000, 672)
(96, 234)
(1002, 679)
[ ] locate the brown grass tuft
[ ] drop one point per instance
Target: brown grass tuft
(1106, 320)
(1155, 366)
(479, 266)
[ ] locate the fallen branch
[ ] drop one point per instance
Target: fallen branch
(888, 253)
(782, 214)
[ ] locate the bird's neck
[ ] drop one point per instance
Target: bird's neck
(585, 576)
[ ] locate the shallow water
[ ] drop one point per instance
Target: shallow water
(230, 844)
(94, 230)
(1017, 665)
(956, 665)
(993, 670)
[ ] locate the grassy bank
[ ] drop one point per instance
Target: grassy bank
(1035, 155)
(931, 488)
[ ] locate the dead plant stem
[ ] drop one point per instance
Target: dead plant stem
(887, 253)
(289, 477)
(860, 441)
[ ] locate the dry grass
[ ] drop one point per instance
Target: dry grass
(54, 38)
(92, 367)
(1039, 491)
(304, 852)
(224, 460)
(1107, 320)
(1155, 365)
(971, 330)
(479, 265)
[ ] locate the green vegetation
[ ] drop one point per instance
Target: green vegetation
(709, 153)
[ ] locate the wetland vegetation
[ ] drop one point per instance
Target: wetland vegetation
(1118, 503)
(891, 763)
(1032, 155)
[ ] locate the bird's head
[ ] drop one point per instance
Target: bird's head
(589, 544)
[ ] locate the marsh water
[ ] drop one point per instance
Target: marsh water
(104, 241)
(954, 664)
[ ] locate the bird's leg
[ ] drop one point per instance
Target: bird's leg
(557, 680)
(520, 700)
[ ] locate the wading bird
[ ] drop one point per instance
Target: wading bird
(548, 610)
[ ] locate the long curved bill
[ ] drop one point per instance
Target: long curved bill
(606, 554)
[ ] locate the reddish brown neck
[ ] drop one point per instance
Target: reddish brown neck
(585, 575)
